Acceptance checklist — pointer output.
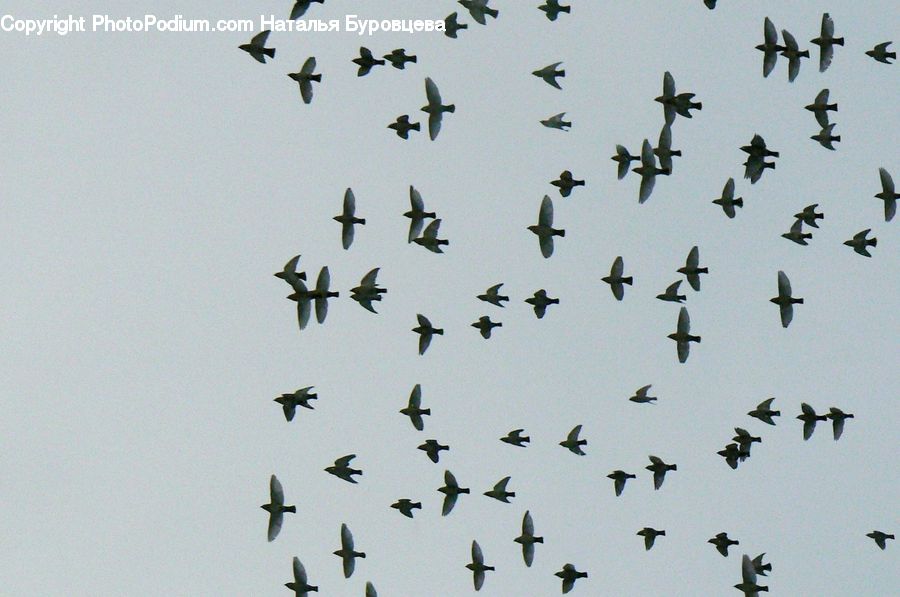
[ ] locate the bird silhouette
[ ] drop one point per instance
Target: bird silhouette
(793, 53)
(290, 402)
(784, 300)
(566, 182)
(301, 6)
(623, 159)
(616, 279)
(540, 301)
(478, 9)
(499, 493)
(550, 74)
(433, 449)
(477, 565)
(861, 244)
(451, 491)
(569, 574)
(552, 9)
(257, 47)
(348, 219)
(722, 543)
(748, 579)
(305, 78)
(368, 291)
(826, 42)
(880, 53)
(727, 201)
(452, 25)
(414, 409)
(764, 412)
(641, 397)
(342, 469)
(888, 194)
(544, 228)
(770, 47)
(682, 335)
(492, 295)
(659, 470)
(416, 214)
(429, 238)
(837, 417)
(809, 215)
(485, 325)
(366, 61)
(796, 234)
(692, 269)
(435, 108)
(347, 552)
(880, 538)
(664, 149)
(402, 126)
(399, 59)
(527, 539)
(300, 585)
(809, 418)
(406, 506)
(557, 121)
(650, 535)
(425, 331)
(648, 171)
(515, 438)
(572, 443)
(820, 108)
(671, 294)
(620, 477)
(276, 508)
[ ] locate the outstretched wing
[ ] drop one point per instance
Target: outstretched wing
(276, 493)
(545, 215)
(259, 39)
(684, 321)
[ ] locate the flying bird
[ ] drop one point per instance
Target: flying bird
(727, 201)
(544, 228)
(527, 539)
(368, 291)
(648, 171)
(478, 9)
(477, 566)
(452, 25)
(722, 543)
(793, 53)
(809, 418)
(402, 126)
(566, 182)
(451, 491)
(416, 214)
(764, 412)
(290, 402)
(550, 73)
(860, 243)
(744, 441)
(616, 280)
(289, 272)
(880, 53)
(733, 454)
(759, 567)
(837, 417)
(515, 438)
(650, 536)
(366, 61)
(348, 219)
(756, 164)
(671, 294)
(540, 301)
(305, 78)
(888, 194)
(320, 296)
(347, 553)
(820, 108)
(659, 470)
(276, 508)
(748, 579)
(257, 47)
(433, 449)
(623, 159)
(429, 238)
(770, 47)
(826, 137)
(682, 335)
(664, 149)
(499, 493)
(425, 331)
(342, 469)
(572, 443)
(485, 325)
(552, 8)
(301, 6)
(406, 506)
(569, 574)
(557, 121)
(796, 233)
(880, 538)
(641, 397)
(414, 409)
(300, 585)
(692, 269)
(398, 58)
(784, 300)
(826, 42)
(676, 103)
(809, 215)
(492, 295)
(435, 108)
(620, 477)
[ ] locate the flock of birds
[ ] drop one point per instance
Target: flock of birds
(368, 291)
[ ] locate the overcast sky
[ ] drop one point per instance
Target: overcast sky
(153, 182)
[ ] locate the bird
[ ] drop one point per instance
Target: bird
(569, 574)
(682, 335)
(479, 8)
(320, 296)
(429, 238)
(809, 215)
(648, 171)
(425, 331)
(398, 58)
(402, 126)
(754, 168)
(550, 73)
(764, 412)
(289, 272)
(759, 567)
(348, 219)
(544, 228)
(820, 108)
(826, 42)
(406, 506)
(733, 454)
(499, 492)
(433, 449)
(572, 443)
(784, 300)
(566, 182)
(888, 194)
(451, 491)
(452, 25)
(748, 579)
(692, 269)
(722, 543)
(290, 402)
(880, 53)
(435, 108)
(681, 103)
(671, 294)
(305, 78)
(515, 438)
(477, 565)
(485, 325)
(641, 397)
(650, 536)
(860, 243)
(757, 148)
(414, 409)
(623, 159)
(540, 301)
(557, 121)
(257, 47)
(745, 441)
(727, 201)
(809, 418)
(664, 149)
(347, 553)
(796, 233)
(770, 47)
(793, 53)
(300, 585)
(837, 417)
(342, 470)
(616, 280)
(659, 470)
(366, 61)
(552, 9)
(492, 295)
(880, 538)
(301, 6)
(527, 539)
(620, 477)
(368, 291)
(276, 508)
(416, 214)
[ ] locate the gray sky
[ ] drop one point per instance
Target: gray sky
(152, 183)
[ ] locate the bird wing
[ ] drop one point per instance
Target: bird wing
(369, 279)
(431, 231)
(346, 538)
(545, 215)
(260, 38)
(415, 397)
(347, 233)
(673, 288)
(693, 258)
(826, 55)
(300, 8)
(618, 268)
(728, 189)
(423, 321)
(573, 435)
(432, 93)
(306, 91)
(299, 571)
(349, 563)
(303, 312)
(370, 590)
(415, 199)
(276, 493)
(668, 84)
(477, 556)
(748, 572)
(789, 40)
(434, 124)
(665, 137)
(344, 460)
(275, 520)
(424, 342)
(620, 485)
(500, 486)
(837, 427)
(784, 285)
(765, 404)
(528, 553)
(770, 34)
(324, 280)
(827, 26)
(808, 427)
(647, 184)
(887, 183)
(618, 290)
(658, 478)
(684, 350)
(649, 538)
(684, 321)
(861, 236)
(309, 66)
(527, 524)
(289, 411)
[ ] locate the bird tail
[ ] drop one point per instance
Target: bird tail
(560, 73)
(798, 301)
(362, 221)
(492, 11)
(628, 280)
(438, 331)
(270, 52)
(872, 242)
(836, 139)
(698, 105)
(416, 127)
(697, 340)
(316, 78)
(563, 233)
(738, 202)
(702, 270)
(412, 59)
(451, 108)
(538, 539)
(804, 54)
(292, 509)
(427, 411)
(891, 55)
(443, 241)
(553, 302)
(463, 490)
(838, 41)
